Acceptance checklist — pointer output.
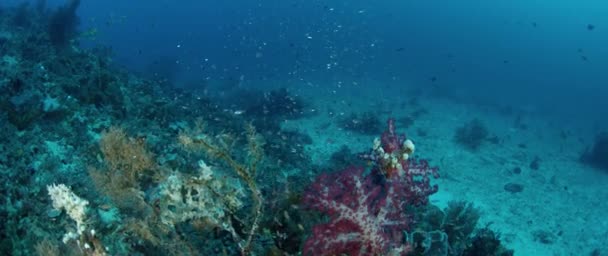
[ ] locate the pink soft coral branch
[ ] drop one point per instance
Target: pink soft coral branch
(365, 217)
(367, 212)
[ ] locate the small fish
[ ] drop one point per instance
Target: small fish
(590, 27)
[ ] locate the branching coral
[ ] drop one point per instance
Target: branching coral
(212, 199)
(128, 155)
(64, 199)
(219, 147)
(211, 196)
(126, 161)
(459, 223)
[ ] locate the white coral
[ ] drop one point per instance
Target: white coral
(206, 172)
(64, 199)
(207, 196)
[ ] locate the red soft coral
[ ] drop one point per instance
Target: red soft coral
(366, 218)
(367, 212)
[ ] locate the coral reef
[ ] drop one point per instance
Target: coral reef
(386, 211)
(153, 203)
(137, 172)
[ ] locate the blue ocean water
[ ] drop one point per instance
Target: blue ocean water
(508, 53)
(200, 127)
